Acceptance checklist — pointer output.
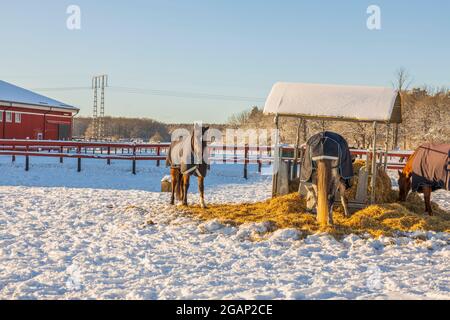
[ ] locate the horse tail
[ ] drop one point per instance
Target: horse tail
(323, 181)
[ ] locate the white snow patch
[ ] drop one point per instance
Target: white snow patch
(286, 234)
(107, 234)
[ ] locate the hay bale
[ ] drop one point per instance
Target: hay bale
(166, 184)
(383, 186)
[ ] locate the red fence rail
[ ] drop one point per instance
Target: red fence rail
(134, 152)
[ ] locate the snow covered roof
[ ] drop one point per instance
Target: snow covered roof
(335, 102)
(12, 94)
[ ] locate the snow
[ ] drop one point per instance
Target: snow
(107, 234)
(337, 101)
(14, 94)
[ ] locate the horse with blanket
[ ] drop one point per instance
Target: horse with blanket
(427, 170)
(326, 168)
(187, 156)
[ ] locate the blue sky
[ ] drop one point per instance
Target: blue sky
(217, 47)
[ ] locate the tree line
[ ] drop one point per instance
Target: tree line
(119, 128)
(425, 112)
(132, 129)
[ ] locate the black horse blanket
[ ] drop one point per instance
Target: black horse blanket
(327, 145)
(431, 167)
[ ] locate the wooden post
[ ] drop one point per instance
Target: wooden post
(109, 153)
(386, 158)
(224, 153)
(245, 162)
(297, 144)
(374, 163)
(134, 160)
(13, 158)
(276, 158)
(79, 159)
(158, 153)
(395, 138)
(61, 150)
(27, 161)
(323, 170)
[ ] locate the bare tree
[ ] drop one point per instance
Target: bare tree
(402, 83)
(402, 80)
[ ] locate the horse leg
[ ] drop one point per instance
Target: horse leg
(330, 209)
(311, 198)
(179, 187)
(201, 189)
(332, 188)
(174, 176)
(344, 200)
(427, 198)
(186, 179)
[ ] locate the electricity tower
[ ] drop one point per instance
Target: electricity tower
(99, 82)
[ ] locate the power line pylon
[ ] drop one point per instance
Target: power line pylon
(99, 82)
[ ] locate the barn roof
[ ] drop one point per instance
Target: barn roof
(12, 94)
(335, 102)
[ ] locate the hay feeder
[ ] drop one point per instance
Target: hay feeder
(376, 105)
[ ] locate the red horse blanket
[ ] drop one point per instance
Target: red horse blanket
(431, 167)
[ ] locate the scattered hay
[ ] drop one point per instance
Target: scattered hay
(290, 212)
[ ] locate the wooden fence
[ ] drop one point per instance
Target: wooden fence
(135, 152)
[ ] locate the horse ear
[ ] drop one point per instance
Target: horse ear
(400, 173)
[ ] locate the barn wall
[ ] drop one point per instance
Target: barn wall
(34, 124)
(2, 121)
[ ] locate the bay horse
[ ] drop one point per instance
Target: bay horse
(187, 156)
(427, 170)
(327, 168)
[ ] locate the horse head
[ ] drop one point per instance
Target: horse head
(404, 185)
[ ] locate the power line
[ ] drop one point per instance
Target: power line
(166, 93)
(184, 94)
(62, 89)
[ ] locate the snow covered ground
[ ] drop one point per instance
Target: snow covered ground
(104, 233)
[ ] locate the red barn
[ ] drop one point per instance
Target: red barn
(28, 115)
